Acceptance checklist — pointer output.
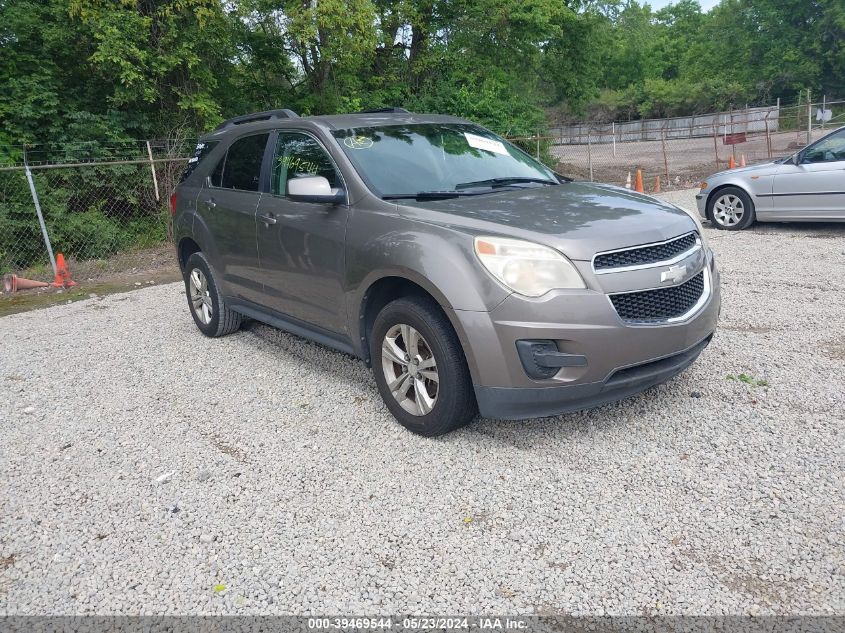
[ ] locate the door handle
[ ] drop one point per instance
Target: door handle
(267, 219)
(210, 203)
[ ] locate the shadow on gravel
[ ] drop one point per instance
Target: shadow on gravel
(819, 230)
(336, 367)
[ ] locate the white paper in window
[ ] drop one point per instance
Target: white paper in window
(480, 142)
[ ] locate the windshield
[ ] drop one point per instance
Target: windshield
(405, 160)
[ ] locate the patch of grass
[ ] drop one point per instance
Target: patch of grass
(748, 380)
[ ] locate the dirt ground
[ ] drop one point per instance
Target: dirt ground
(688, 160)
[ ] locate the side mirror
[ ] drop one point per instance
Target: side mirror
(314, 189)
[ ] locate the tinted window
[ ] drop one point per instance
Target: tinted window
(299, 155)
(200, 152)
(217, 174)
(242, 167)
(402, 159)
(827, 150)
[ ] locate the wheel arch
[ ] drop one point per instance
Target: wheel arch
(187, 247)
(199, 239)
(396, 285)
(724, 186)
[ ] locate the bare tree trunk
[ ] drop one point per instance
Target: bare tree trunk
(420, 27)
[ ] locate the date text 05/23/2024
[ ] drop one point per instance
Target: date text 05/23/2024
(420, 623)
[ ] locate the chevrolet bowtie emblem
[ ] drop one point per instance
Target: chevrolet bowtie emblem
(674, 274)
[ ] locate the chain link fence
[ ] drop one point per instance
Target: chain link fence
(105, 208)
(682, 152)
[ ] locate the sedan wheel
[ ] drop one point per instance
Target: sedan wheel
(410, 369)
(731, 209)
(728, 210)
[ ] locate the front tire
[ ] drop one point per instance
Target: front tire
(731, 209)
(420, 368)
(207, 305)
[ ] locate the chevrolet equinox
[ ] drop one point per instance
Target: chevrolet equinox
(469, 276)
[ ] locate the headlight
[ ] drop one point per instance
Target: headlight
(527, 268)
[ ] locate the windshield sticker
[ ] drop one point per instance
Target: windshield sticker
(488, 144)
(358, 142)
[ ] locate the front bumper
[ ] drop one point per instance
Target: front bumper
(516, 403)
(622, 359)
(701, 203)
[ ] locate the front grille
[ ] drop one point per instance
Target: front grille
(645, 254)
(651, 306)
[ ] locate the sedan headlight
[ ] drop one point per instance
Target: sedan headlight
(527, 268)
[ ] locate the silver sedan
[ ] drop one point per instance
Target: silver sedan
(808, 186)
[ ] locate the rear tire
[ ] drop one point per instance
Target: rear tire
(731, 209)
(206, 303)
(433, 395)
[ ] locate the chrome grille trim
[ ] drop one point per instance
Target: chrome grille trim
(695, 309)
(666, 262)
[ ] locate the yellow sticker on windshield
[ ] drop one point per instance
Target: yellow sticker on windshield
(358, 142)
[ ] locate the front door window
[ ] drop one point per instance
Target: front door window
(299, 155)
(827, 150)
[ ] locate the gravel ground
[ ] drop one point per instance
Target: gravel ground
(145, 469)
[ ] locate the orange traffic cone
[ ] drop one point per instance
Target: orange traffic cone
(657, 185)
(731, 162)
(62, 279)
(638, 183)
(742, 160)
(13, 283)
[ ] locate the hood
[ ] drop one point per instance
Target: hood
(763, 169)
(577, 218)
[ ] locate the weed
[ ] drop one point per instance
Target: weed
(748, 380)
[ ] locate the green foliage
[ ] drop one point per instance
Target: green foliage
(680, 61)
(748, 380)
(116, 69)
(84, 75)
(91, 212)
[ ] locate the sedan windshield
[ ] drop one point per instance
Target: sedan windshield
(439, 160)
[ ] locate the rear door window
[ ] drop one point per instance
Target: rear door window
(200, 152)
(240, 168)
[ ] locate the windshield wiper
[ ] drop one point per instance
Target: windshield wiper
(504, 182)
(431, 195)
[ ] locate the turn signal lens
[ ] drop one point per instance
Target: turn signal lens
(702, 185)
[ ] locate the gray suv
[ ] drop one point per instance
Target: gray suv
(469, 276)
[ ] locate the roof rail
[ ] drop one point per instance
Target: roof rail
(258, 116)
(386, 110)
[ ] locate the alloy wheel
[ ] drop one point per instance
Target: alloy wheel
(200, 296)
(410, 369)
(728, 210)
